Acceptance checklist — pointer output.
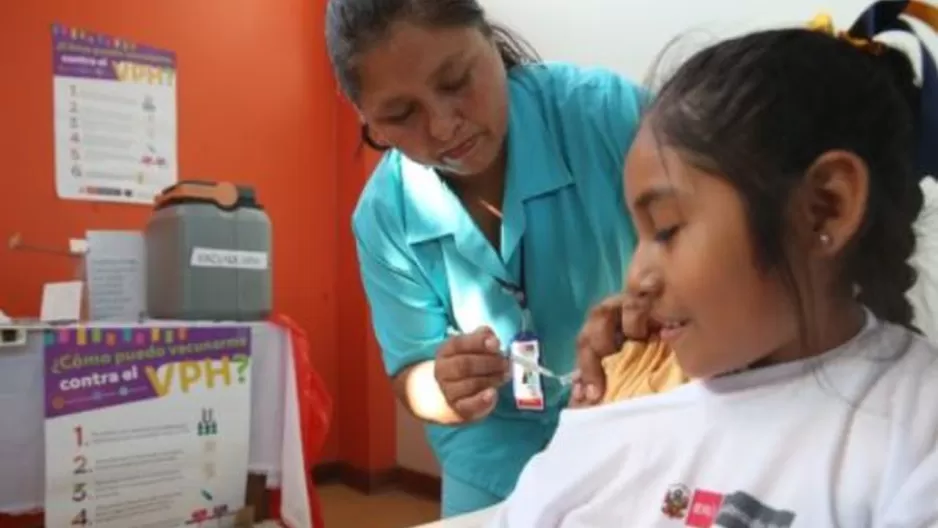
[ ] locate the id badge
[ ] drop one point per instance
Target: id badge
(527, 384)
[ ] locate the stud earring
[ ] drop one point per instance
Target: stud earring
(825, 239)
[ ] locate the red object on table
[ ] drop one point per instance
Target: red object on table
(315, 406)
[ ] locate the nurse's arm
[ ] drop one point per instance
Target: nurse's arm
(416, 387)
(410, 324)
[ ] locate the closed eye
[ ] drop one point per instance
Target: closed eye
(664, 235)
(400, 117)
(458, 84)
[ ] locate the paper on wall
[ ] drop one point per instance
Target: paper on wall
(115, 266)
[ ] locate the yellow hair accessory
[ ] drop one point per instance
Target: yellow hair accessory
(824, 23)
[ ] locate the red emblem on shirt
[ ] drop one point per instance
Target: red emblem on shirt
(704, 508)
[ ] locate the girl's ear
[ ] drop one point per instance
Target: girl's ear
(836, 188)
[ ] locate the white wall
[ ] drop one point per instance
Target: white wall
(628, 36)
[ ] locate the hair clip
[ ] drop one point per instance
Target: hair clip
(887, 15)
(825, 24)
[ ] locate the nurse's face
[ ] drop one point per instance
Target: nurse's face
(437, 95)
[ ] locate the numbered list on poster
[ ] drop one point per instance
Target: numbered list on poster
(115, 117)
(146, 427)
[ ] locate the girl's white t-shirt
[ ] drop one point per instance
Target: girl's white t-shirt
(924, 294)
(847, 439)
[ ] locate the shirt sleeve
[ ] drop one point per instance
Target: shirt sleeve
(528, 505)
(924, 294)
(408, 318)
(915, 505)
(606, 104)
(617, 106)
(910, 475)
(564, 476)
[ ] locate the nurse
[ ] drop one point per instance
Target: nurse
(494, 221)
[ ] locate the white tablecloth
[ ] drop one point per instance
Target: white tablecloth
(22, 442)
(470, 520)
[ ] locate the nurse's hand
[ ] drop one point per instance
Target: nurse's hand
(608, 325)
(469, 369)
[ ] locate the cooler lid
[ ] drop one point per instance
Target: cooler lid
(224, 195)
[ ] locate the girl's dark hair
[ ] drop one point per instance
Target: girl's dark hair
(353, 26)
(759, 110)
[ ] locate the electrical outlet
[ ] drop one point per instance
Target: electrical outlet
(12, 337)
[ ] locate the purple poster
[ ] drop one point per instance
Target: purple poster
(93, 368)
(80, 53)
(115, 117)
(146, 426)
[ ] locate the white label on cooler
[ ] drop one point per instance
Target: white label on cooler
(228, 258)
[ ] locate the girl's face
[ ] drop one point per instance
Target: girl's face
(438, 95)
(696, 265)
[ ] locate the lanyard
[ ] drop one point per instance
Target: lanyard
(519, 291)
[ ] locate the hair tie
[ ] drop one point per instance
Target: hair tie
(825, 24)
(886, 15)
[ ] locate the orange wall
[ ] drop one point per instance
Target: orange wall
(363, 377)
(257, 105)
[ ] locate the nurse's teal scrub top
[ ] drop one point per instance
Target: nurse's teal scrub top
(426, 267)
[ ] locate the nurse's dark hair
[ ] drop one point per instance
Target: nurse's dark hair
(354, 26)
(759, 110)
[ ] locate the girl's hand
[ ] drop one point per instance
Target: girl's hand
(608, 325)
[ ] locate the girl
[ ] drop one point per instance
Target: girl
(774, 185)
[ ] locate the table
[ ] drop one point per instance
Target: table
(22, 437)
(477, 519)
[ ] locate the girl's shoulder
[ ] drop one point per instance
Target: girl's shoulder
(901, 369)
(901, 356)
(908, 389)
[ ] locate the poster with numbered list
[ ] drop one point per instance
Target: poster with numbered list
(115, 117)
(146, 427)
